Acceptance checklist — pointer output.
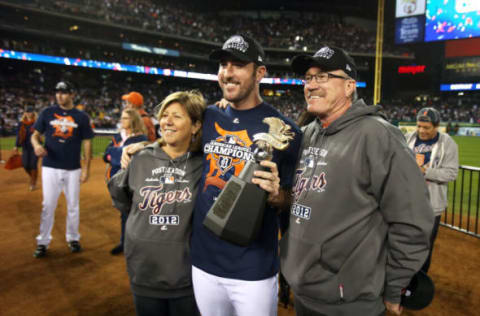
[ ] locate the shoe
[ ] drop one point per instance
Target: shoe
(40, 252)
(74, 246)
(32, 187)
(118, 249)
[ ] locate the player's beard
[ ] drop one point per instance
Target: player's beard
(244, 90)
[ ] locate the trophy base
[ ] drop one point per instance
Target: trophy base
(237, 214)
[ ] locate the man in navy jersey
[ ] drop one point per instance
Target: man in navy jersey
(437, 157)
(230, 279)
(64, 129)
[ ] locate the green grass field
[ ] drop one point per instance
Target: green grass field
(467, 203)
(99, 144)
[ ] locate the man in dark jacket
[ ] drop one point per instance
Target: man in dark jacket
(360, 219)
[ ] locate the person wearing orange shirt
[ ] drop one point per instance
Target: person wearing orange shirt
(135, 100)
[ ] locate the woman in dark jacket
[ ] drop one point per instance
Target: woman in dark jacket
(29, 159)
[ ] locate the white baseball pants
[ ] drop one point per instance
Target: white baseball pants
(216, 296)
(54, 181)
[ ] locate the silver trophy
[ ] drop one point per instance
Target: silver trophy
(237, 214)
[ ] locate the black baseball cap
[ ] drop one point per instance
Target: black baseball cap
(327, 58)
(241, 47)
(29, 109)
(429, 115)
(419, 293)
(64, 86)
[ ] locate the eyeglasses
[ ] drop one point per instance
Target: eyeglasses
(322, 77)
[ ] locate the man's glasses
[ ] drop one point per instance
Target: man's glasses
(322, 77)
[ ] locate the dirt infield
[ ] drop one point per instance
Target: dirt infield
(95, 283)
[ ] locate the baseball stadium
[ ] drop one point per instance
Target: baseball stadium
(128, 129)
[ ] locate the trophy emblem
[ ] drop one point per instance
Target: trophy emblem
(237, 214)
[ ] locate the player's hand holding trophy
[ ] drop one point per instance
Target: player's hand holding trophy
(237, 214)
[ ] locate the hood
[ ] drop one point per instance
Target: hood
(358, 110)
(156, 151)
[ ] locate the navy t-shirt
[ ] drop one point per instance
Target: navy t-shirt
(64, 131)
(228, 144)
(423, 149)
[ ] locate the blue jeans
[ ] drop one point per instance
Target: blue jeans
(178, 306)
(433, 236)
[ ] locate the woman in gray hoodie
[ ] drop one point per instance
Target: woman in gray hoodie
(158, 190)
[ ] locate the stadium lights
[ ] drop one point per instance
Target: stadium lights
(78, 62)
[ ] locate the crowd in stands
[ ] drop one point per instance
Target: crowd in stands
(451, 108)
(99, 94)
(306, 30)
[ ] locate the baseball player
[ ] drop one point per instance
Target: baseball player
(230, 279)
(64, 129)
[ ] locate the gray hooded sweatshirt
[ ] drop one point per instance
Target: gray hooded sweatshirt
(360, 220)
(442, 168)
(158, 193)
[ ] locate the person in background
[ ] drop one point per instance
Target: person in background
(360, 219)
(456, 128)
(158, 190)
(132, 130)
(437, 157)
(23, 140)
(65, 130)
(135, 100)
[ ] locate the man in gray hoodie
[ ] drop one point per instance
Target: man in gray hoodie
(436, 154)
(360, 218)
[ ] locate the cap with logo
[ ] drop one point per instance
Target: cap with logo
(243, 48)
(327, 58)
(29, 109)
(429, 115)
(135, 98)
(64, 86)
(419, 293)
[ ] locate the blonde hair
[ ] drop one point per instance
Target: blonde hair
(194, 103)
(136, 123)
(24, 116)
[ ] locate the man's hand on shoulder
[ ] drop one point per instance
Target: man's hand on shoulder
(129, 151)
